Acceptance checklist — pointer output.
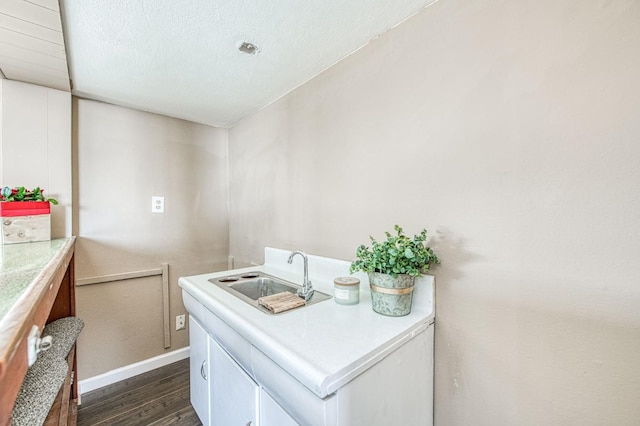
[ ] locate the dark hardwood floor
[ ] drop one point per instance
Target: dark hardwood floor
(159, 397)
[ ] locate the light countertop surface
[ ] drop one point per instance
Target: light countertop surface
(20, 266)
(324, 345)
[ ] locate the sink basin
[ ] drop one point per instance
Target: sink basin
(262, 286)
(251, 286)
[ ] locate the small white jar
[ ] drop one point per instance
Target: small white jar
(346, 290)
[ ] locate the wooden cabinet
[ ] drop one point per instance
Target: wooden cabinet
(38, 288)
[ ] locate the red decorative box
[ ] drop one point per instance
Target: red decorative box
(25, 221)
(24, 208)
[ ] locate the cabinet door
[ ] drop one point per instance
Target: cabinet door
(234, 395)
(271, 414)
(199, 370)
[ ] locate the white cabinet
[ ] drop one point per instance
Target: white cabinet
(221, 392)
(233, 394)
(271, 414)
(199, 369)
(245, 386)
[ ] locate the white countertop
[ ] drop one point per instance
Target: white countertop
(324, 345)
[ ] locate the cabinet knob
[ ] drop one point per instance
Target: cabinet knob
(202, 369)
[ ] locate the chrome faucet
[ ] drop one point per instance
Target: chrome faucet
(307, 289)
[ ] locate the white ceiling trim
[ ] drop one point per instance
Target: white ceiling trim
(32, 45)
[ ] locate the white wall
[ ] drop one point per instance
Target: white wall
(509, 130)
(35, 141)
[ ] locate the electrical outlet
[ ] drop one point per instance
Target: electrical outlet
(180, 322)
(157, 204)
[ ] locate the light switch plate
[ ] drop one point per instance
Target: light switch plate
(157, 204)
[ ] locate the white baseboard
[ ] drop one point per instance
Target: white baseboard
(122, 373)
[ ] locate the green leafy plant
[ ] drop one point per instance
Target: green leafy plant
(398, 254)
(22, 194)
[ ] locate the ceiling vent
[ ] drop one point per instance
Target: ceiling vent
(249, 48)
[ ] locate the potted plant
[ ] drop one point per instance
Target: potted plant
(25, 215)
(392, 266)
(23, 194)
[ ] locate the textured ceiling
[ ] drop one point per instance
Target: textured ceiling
(181, 58)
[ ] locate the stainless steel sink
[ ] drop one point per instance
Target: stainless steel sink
(251, 286)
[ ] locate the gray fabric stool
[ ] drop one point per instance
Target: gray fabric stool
(65, 332)
(38, 392)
